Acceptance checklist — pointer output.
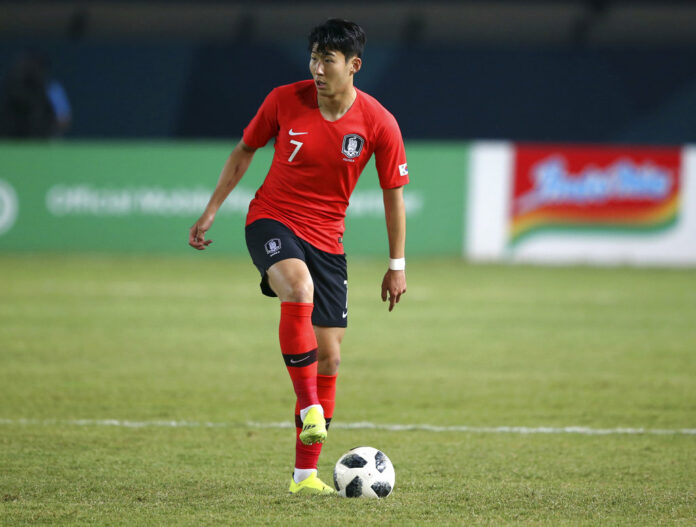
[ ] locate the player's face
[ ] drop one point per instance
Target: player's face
(331, 72)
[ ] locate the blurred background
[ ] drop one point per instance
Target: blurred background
(531, 70)
(456, 74)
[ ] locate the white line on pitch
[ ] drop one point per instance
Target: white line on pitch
(580, 430)
(114, 422)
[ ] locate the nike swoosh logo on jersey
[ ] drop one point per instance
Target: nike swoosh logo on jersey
(297, 133)
(293, 361)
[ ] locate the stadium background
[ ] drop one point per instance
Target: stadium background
(139, 380)
(190, 76)
(511, 69)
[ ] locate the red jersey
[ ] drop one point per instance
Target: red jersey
(317, 163)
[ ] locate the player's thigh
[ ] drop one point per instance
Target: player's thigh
(275, 250)
(291, 281)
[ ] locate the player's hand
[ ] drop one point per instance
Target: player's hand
(393, 286)
(197, 232)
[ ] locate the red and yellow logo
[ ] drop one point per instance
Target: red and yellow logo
(605, 189)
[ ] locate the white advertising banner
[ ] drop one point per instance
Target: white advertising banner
(560, 204)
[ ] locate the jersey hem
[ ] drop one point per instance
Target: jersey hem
(294, 231)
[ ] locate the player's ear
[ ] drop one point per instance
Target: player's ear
(356, 64)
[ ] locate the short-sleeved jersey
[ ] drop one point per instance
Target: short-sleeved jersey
(317, 163)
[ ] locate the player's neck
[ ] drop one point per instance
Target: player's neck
(334, 107)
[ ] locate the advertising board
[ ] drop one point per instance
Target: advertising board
(598, 189)
(546, 203)
(144, 196)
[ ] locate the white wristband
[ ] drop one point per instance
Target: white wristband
(397, 264)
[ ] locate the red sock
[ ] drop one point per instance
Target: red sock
(298, 343)
(307, 456)
(326, 390)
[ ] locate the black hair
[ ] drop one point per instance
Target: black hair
(338, 35)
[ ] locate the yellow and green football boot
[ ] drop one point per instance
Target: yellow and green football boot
(311, 485)
(313, 427)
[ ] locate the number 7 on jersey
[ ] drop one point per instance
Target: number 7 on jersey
(297, 149)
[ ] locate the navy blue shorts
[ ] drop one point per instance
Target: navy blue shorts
(270, 241)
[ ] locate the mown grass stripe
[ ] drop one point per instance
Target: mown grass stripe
(363, 425)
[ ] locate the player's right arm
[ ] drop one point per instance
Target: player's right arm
(236, 165)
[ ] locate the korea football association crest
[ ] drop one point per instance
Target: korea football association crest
(352, 145)
(272, 246)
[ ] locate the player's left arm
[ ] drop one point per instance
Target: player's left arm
(394, 282)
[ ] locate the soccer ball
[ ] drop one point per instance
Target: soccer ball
(364, 472)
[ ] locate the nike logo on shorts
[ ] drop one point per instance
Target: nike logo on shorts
(297, 133)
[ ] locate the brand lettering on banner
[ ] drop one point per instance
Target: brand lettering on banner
(80, 200)
(612, 189)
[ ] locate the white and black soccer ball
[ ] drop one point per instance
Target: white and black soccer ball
(364, 472)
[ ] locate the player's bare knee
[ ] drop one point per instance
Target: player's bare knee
(300, 291)
(328, 365)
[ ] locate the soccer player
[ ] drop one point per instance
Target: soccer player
(325, 131)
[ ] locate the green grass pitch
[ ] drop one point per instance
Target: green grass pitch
(191, 340)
